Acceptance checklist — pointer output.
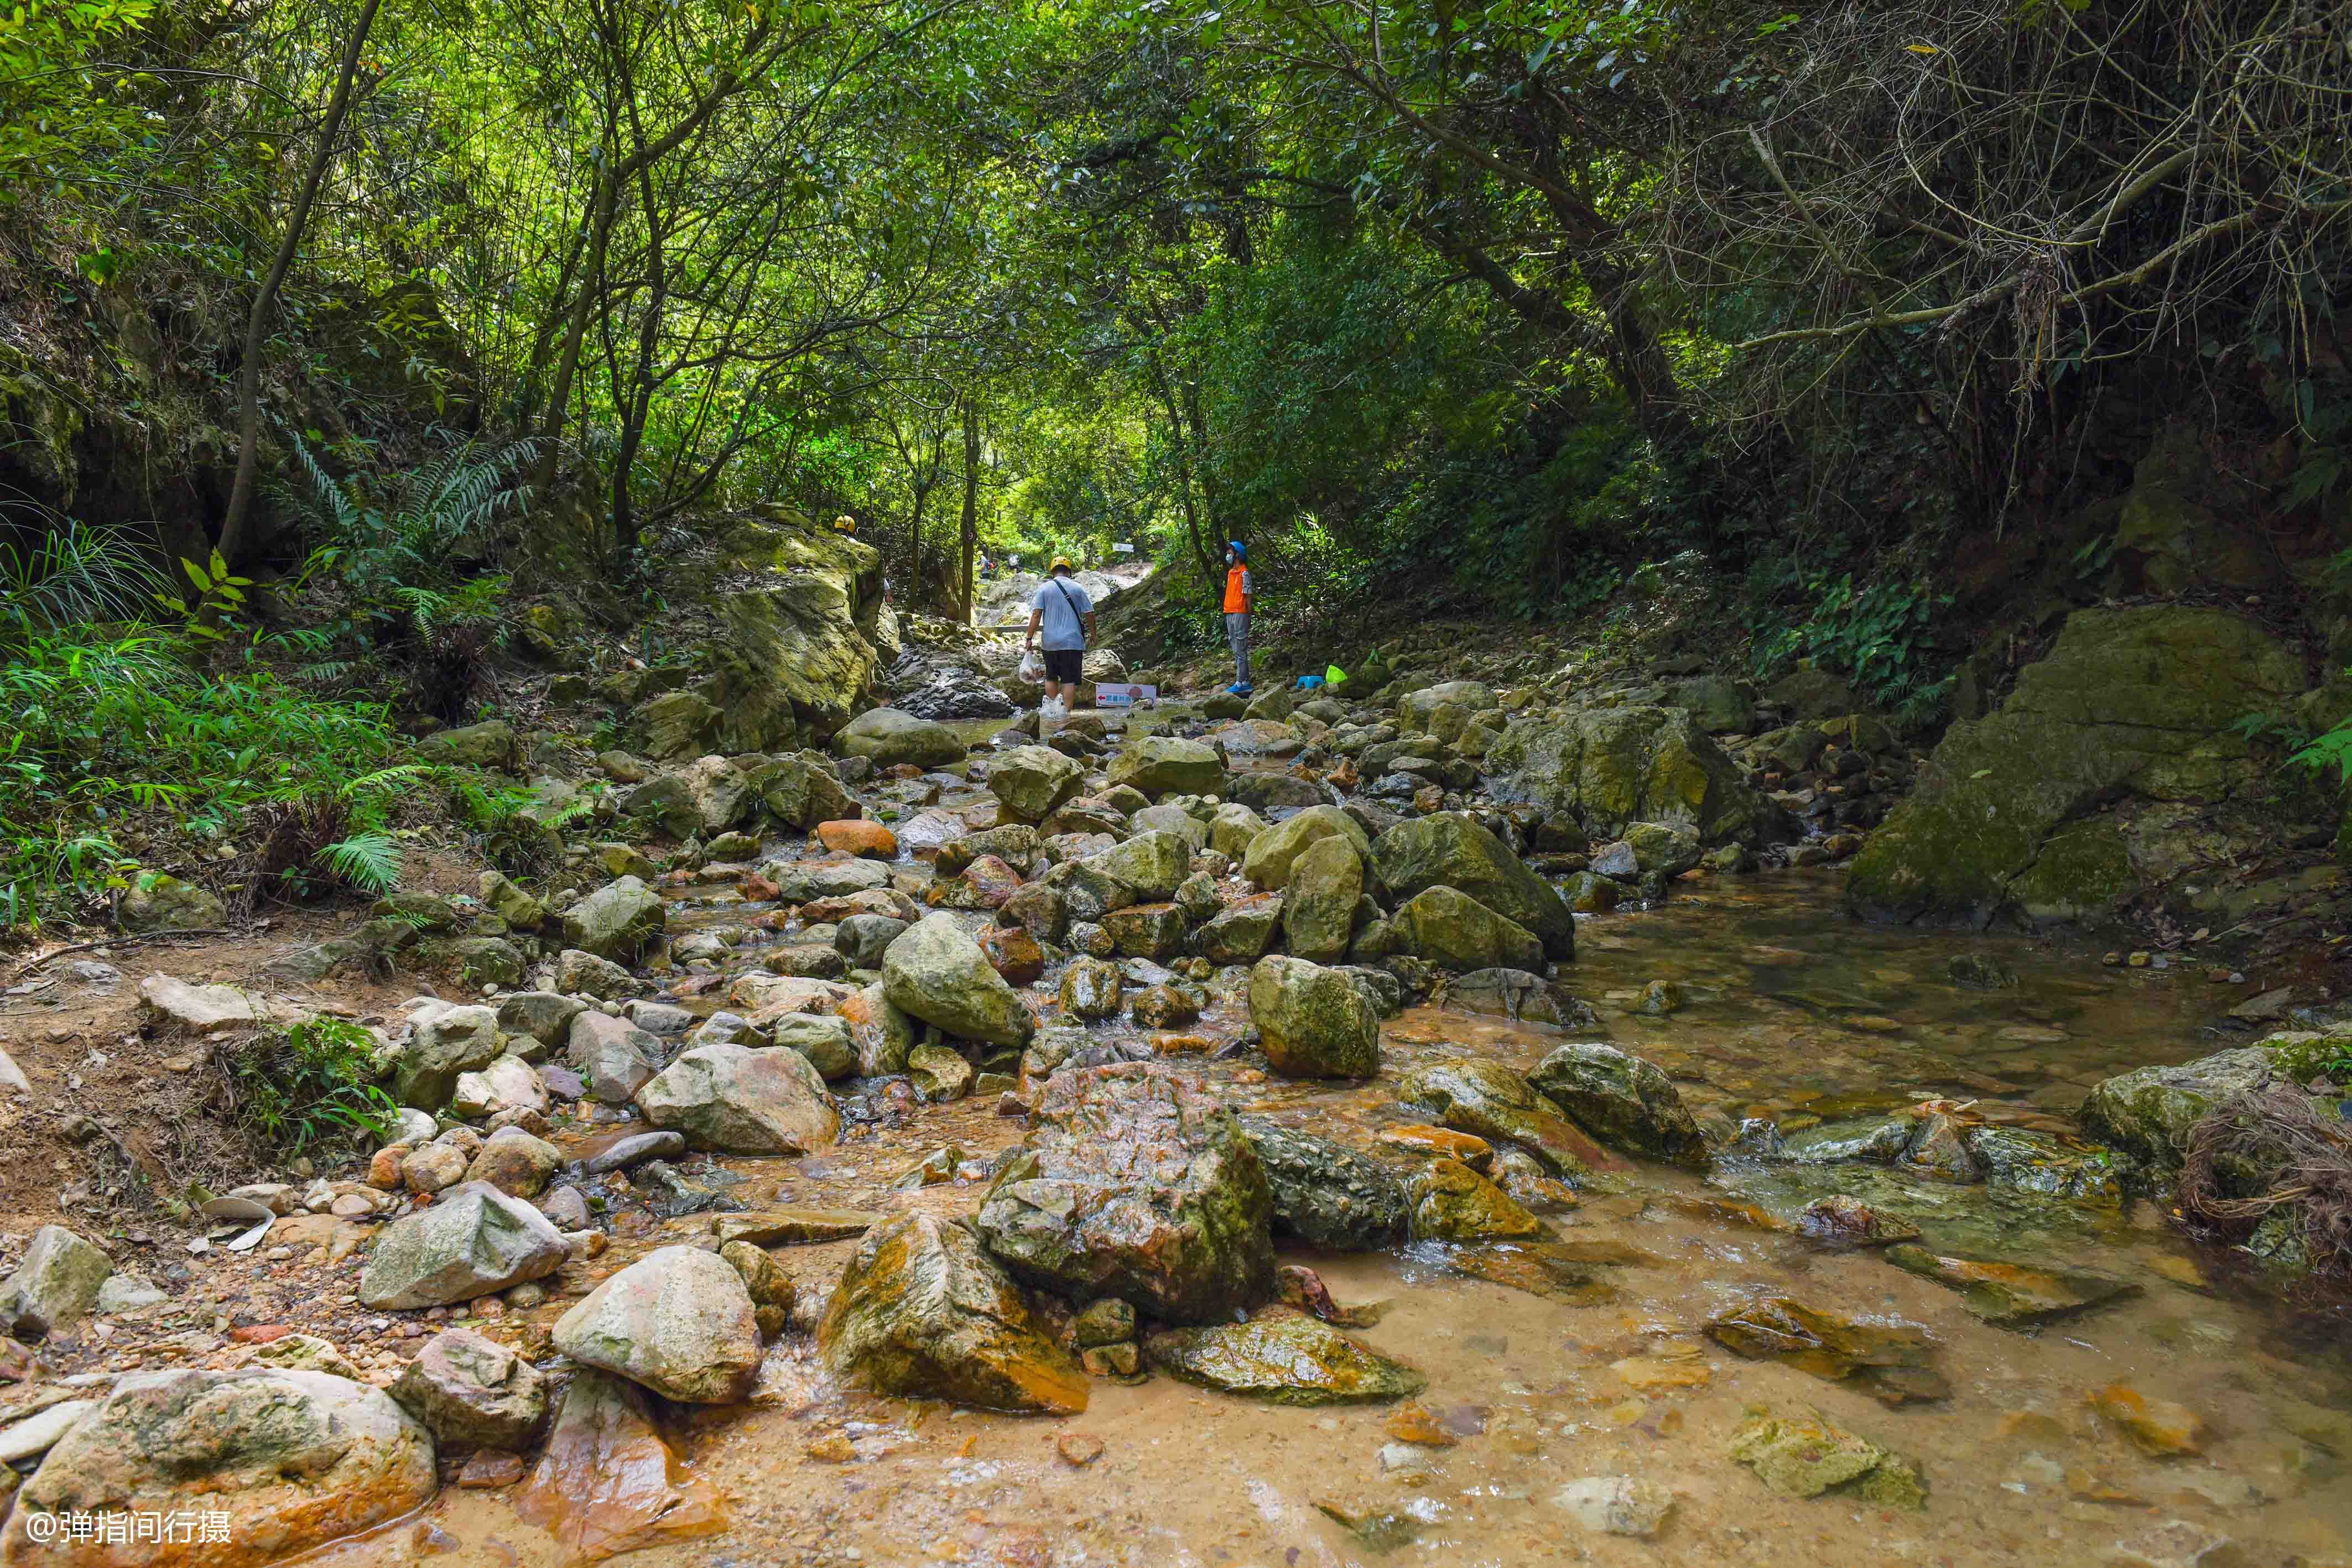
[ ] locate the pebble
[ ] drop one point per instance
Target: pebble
(1416, 1423)
(1079, 1450)
(1619, 1505)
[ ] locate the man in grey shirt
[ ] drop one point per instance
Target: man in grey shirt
(1067, 617)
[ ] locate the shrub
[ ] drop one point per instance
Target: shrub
(102, 733)
(307, 1089)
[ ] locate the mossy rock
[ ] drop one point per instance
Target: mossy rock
(1611, 766)
(1284, 1358)
(2139, 701)
(2084, 872)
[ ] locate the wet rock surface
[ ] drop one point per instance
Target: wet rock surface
(295, 1460)
(1285, 1358)
(922, 1309)
(677, 1321)
(1136, 1184)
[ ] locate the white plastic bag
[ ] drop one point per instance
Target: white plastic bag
(1033, 665)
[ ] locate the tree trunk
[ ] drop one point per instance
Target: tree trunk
(1201, 554)
(1643, 372)
(256, 326)
(971, 500)
(639, 405)
(542, 343)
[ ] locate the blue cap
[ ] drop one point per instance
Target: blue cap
(1237, 547)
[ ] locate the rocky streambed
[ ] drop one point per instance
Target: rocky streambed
(1135, 1150)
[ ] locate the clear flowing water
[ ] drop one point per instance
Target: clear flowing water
(1787, 1010)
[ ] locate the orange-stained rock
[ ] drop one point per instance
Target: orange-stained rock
(1439, 1143)
(1414, 1424)
(1013, 953)
(1182, 1044)
(986, 883)
(607, 1483)
(1451, 1202)
(871, 840)
(2157, 1427)
(922, 1309)
(293, 1459)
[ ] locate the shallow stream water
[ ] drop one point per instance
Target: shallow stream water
(1787, 1010)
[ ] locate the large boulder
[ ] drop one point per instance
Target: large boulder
(1314, 1021)
(1233, 829)
(2181, 523)
(676, 724)
(275, 1462)
(54, 1285)
(166, 1002)
(515, 1163)
(1272, 852)
(891, 737)
(829, 1041)
(1718, 703)
(1318, 907)
(801, 605)
(743, 1100)
(1031, 782)
(1454, 931)
(474, 1240)
(880, 1032)
(1418, 710)
(1168, 764)
(1092, 989)
(922, 1311)
(935, 972)
(1326, 1193)
(1449, 849)
(1607, 766)
(507, 1083)
(677, 1321)
(1622, 1099)
(1135, 1183)
(722, 796)
(615, 922)
(473, 1392)
(2140, 701)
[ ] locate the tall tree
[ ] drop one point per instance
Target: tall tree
(264, 299)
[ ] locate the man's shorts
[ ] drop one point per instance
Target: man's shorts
(1066, 665)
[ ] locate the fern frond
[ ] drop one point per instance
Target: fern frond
(384, 778)
(370, 861)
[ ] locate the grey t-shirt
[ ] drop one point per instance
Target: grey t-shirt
(1060, 628)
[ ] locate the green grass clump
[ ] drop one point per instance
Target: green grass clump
(308, 1089)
